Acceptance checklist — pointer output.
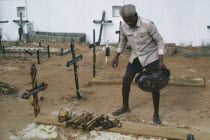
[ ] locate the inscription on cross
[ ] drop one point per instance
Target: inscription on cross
(102, 22)
(73, 62)
(21, 23)
(34, 91)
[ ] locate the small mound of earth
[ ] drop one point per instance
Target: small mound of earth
(7, 89)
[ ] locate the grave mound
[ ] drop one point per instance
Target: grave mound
(7, 89)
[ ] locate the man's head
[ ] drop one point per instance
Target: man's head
(129, 15)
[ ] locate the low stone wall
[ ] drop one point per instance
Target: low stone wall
(56, 37)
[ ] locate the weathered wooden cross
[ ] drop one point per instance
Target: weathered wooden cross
(102, 22)
(94, 54)
(34, 91)
(21, 23)
(1, 48)
(74, 63)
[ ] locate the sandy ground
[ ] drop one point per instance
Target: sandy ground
(187, 106)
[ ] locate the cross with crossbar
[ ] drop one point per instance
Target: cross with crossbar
(34, 91)
(102, 22)
(74, 63)
(94, 53)
(21, 23)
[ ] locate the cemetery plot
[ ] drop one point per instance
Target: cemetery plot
(180, 105)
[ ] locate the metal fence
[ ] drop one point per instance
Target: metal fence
(37, 53)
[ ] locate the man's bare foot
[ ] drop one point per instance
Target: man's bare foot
(121, 111)
(156, 119)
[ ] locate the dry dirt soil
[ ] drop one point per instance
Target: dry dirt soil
(187, 106)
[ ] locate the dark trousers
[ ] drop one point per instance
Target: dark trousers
(136, 66)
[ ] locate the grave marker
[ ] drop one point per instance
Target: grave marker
(21, 23)
(102, 22)
(74, 63)
(34, 91)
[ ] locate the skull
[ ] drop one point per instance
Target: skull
(64, 114)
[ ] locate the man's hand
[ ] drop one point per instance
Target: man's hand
(161, 64)
(115, 60)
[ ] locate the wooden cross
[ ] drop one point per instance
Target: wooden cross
(94, 53)
(34, 91)
(21, 23)
(102, 22)
(74, 63)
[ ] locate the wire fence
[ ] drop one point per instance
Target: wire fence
(38, 53)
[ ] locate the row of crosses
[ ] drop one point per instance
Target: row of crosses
(20, 23)
(102, 22)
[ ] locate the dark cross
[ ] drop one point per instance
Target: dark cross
(48, 50)
(1, 48)
(74, 62)
(102, 22)
(21, 23)
(118, 32)
(34, 91)
(38, 58)
(94, 54)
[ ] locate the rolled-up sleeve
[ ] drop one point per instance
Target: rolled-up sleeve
(123, 41)
(157, 38)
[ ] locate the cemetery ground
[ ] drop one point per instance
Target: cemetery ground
(179, 105)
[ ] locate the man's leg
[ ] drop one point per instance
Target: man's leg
(126, 86)
(156, 99)
(155, 95)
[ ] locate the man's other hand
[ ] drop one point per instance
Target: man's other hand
(115, 62)
(161, 64)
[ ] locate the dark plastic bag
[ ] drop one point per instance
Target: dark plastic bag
(153, 79)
